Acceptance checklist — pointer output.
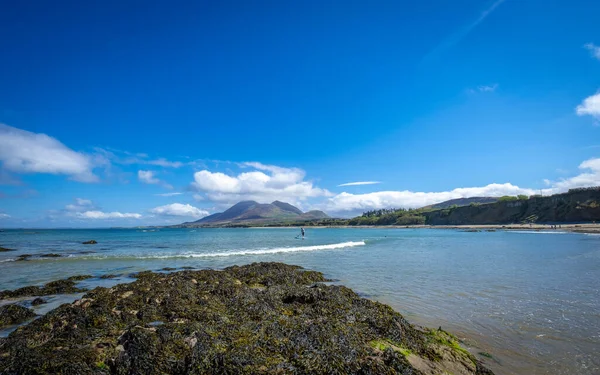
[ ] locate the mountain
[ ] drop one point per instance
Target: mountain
(254, 213)
(463, 202)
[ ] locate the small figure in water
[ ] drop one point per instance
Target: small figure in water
(302, 231)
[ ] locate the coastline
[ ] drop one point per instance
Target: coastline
(589, 228)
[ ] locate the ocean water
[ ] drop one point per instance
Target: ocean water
(530, 299)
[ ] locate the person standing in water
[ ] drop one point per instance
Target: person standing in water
(302, 232)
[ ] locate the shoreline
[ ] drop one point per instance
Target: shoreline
(589, 228)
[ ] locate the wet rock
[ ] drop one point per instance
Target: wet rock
(90, 242)
(79, 277)
(38, 301)
(14, 314)
(109, 276)
(2, 249)
(50, 255)
(23, 257)
(169, 269)
(54, 287)
(188, 268)
(259, 318)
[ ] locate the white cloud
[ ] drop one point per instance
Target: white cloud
(198, 197)
(265, 184)
(346, 202)
(358, 183)
(4, 216)
(483, 88)
(107, 215)
(590, 106)
(488, 88)
(83, 202)
(80, 205)
(22, 151)
(164, 163)
(178, 209)
(168, 194)
(128, 158)
(589, 177)
(594, 49)
(148, 177)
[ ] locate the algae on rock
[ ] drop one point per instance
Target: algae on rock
(263, 318)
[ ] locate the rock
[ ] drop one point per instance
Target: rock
(79, 277)
(50, 255)
(2, 249)
(23, 257)
(54, 287)
(14, 314)
(109, 276)
(168, 269)
(90, 242)
(38, 301)
(259, 318)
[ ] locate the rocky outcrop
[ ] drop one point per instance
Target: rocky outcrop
(54, 287)
(263, 318)
(90, 242)
(14, 314)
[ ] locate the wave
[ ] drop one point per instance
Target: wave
(276, 250)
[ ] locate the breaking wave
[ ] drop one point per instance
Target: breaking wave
(276, 250)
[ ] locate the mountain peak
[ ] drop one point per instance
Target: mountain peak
(287, 207)
(249, 212)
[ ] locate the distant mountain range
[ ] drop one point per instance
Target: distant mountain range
(463, 202)
(249, 213)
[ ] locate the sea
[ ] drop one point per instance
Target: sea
(525, 302)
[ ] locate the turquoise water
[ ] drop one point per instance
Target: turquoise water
(531, 299)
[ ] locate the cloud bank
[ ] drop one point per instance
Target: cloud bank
(350, 204)
(107, 215)
(359, 183)
(22, 151)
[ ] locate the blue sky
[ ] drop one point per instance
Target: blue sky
(137, 113)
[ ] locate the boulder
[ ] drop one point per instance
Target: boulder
(14, 314)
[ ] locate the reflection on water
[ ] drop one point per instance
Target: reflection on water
(530, 299)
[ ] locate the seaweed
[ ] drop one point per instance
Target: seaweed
(263, 318)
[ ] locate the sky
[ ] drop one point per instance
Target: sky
(139, 113)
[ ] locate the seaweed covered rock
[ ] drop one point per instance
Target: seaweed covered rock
(50, 255)
(2, 249)
(14, 314)
(264, 318)
(90, 242)
(79, 277)
(54, 287)
(38, 301)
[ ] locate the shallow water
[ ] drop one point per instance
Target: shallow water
(530, 299)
